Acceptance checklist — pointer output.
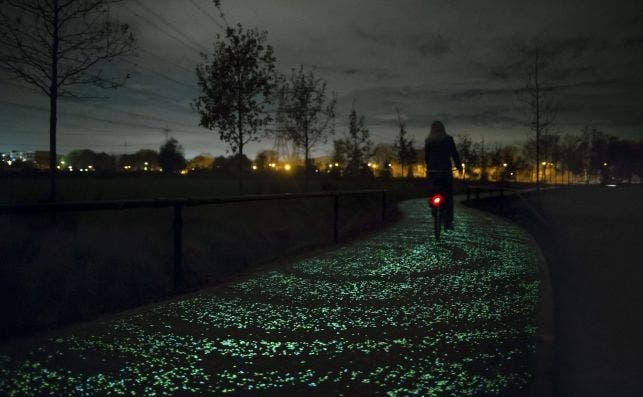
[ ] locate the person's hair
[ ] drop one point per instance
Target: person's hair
(438, 132)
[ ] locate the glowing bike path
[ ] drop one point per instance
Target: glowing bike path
(395, 314)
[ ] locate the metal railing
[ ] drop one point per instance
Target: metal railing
(178, 204)
(477, 190)
(501, 191)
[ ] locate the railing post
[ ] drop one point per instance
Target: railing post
(178, 247)
(383, 206)
(336, 218)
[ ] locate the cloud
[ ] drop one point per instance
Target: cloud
(464, 69)
(480, 92)
(423, 43)
(435, 46)
(369, 72)
(633, 41)
(574, 46)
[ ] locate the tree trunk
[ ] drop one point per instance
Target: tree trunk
(306, 165)
(53, 106)
(240, 129)
(537, 88)
(240, 159)
(53, 119)
(240, 178)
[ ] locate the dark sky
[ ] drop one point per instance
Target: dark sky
(457, 61)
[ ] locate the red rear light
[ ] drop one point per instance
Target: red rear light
(436, 200)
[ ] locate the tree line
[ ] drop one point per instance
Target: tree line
(589, 156)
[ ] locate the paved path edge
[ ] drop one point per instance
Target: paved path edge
(542, 360)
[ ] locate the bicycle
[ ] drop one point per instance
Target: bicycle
(435, 202)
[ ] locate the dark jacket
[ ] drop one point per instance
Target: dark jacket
(438, 155)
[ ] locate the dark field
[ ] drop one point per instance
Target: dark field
(593, 246)
(77, 187)
(54, 270)
(89, 187)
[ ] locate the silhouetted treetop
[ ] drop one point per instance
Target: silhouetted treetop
(237, 82)
(171, 157)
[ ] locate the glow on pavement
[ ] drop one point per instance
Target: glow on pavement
(394, 314)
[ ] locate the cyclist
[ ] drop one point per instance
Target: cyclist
(439, 149)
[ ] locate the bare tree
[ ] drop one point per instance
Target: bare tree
(483, 159)
(265, 158)
(382, 155)
(305, 113)
(467, 154)
(237, 82)
(573, 153)
(356, 145)
(542, 111)
(406, 154)
(58, 46)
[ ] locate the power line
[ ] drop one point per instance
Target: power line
(69, 145)
(207, 14)
(95, 106)
(257, 15)
(166, 77)
(153, 118)
(167, 60)
(167, 23)
(143, 116)
(64, 124)
(149, 94)
(82, 116)
(106, 133)
(165, 32)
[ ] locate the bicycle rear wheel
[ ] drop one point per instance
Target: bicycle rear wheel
(437, 223)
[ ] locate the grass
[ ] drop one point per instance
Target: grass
(90, 187)
(74, 266)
